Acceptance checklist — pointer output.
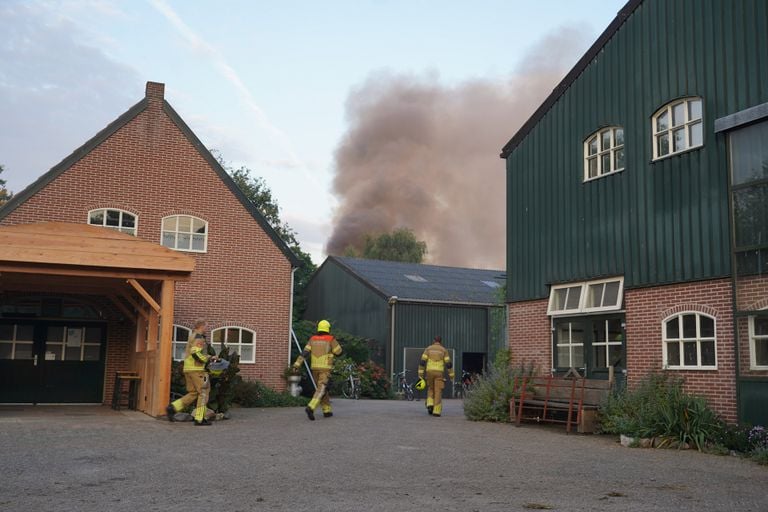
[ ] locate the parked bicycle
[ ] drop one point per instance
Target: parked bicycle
(350, 388)
(463, 385)
(403, 386)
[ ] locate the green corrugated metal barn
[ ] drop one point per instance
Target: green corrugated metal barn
(401, 307)
(646, 171)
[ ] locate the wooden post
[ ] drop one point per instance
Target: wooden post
(162, 388)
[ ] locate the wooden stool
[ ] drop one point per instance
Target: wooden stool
(126, 391)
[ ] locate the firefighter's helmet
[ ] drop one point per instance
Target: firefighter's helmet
(420, 384)
(324, 326)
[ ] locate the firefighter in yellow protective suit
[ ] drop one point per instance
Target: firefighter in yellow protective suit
(320, 350)
(434, 361)
(197, 378)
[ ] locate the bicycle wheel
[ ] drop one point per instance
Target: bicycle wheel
(356, 391)
(408, 395)
(346, 389)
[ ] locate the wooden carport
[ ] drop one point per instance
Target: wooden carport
(137, 276)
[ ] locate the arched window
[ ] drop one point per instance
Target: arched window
(180, 337)
(185, 233)
(689, 341)
(677, 127)
(112, 218)
(604, 152)
(238, 339)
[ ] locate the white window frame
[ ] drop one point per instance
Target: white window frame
(752, 349)
(583, 288)
(176, 232)
(669, 131)
(609, 151)
(236, 346)
(681, 340)
(572, 347)
(15, 341)
(175, 341)
(131, 231)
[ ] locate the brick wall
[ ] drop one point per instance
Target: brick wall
(149, 168)
(646, 309)
(530, 337)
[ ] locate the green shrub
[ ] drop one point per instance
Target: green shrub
(255, 394)
(659, 408)
(491, 392)
(735, 437)
(373, 378)
(760, 455)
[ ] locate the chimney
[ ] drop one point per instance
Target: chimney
(155, 91)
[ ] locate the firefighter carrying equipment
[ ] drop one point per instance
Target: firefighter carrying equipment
(434, 361)
(324, 326)
(420, 384)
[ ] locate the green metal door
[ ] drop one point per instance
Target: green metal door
(51, 362)
(590, 344)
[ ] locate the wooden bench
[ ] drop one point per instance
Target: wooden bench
(571, 401)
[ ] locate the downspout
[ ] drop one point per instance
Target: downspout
(290, 313)
(392, 301)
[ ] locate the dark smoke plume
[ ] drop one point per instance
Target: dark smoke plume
(424, 156)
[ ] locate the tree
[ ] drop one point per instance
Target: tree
(400, 245)
(5, 195)
(256, 190)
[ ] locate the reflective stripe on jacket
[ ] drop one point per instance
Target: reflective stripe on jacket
(196, 356)
(435, 358)
(322, 349)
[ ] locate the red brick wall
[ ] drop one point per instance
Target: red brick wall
(646, 309)
(150, 169)
(530, 337)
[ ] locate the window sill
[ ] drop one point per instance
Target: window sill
(688, 368)
(613, 173)
(679, 153)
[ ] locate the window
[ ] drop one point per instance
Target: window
(185, 233)
(677, 127)
(73, 343)
(118, 220)
(586, 297)
(16, 341)
(180, 337)
(569, 346)
(415, 278)
(758, 343)
(238, 340)
(604, 153)
(689, 341)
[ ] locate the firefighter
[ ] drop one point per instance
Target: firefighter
(434, 361)
(197, 378)
(321, 349)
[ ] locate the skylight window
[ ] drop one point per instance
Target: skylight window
(492, 284)
(415, 278)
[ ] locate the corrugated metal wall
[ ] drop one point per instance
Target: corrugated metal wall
(656, 222)
(463, 329)
(340, 297)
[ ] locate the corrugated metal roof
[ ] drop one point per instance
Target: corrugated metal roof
(412, 281)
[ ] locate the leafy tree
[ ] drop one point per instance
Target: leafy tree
(5, 195)
(256, 190)
(400, 245)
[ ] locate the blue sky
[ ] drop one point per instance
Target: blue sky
(265, 83)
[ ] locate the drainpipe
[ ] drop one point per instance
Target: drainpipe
(290, 313)
(392, 301)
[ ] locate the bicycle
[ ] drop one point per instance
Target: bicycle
(350, 388)
(463, 385)
(403, 386)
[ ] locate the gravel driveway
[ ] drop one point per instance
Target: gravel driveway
(371, 456)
